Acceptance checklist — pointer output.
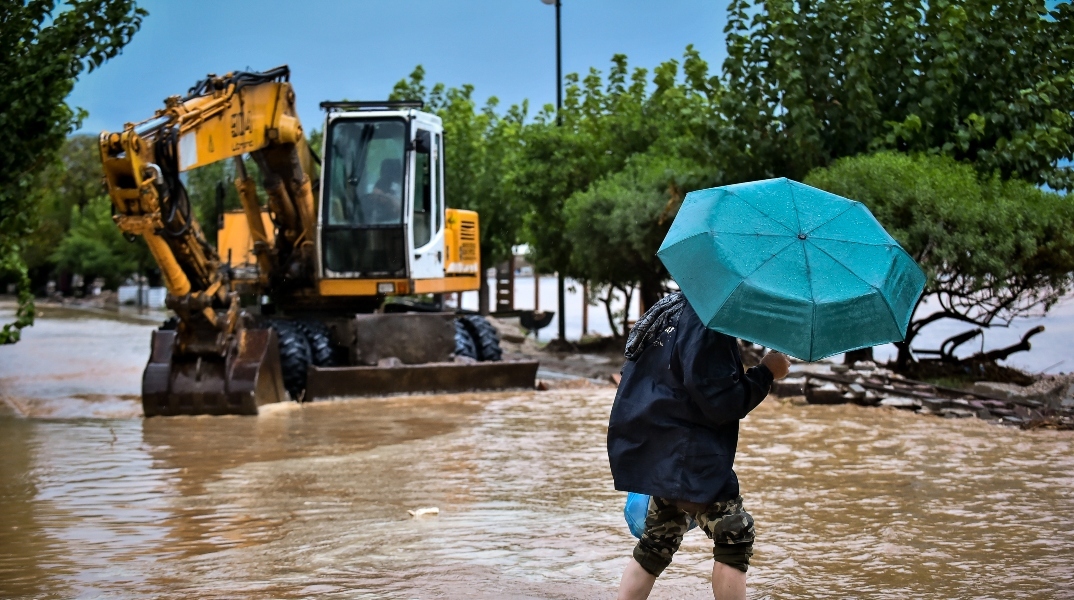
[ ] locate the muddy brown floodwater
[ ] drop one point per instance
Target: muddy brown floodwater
(311, 501)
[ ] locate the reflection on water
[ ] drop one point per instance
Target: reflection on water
(311, 501)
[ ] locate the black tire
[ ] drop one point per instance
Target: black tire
(486, 338)
(294, 357)
(464, 342)
(320, 341)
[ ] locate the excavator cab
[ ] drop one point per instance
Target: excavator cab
(382, 191)
(382, 215)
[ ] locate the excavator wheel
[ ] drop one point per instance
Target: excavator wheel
(464, 342)
(320, 342)
(295, 357)
(486, 338)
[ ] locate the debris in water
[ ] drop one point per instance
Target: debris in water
(425, 510)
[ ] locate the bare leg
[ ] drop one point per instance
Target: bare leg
(637, 582)
(728, 583)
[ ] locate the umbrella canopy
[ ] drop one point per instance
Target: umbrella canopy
(791, 267)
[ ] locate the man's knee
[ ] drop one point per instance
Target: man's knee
(664, 527)
(654, 558)
(732, 531)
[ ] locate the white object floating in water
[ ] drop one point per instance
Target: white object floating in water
(426, 510)
(900, 402)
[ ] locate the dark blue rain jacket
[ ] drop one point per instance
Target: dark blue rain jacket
(674, 423)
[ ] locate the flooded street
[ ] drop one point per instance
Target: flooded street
(312, 500)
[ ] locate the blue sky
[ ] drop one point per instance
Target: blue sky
(358, 49)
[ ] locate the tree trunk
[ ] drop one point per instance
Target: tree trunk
(607, 300)
(483, 291)
(585, 308)
(858, 355)
(651, 290)
(561, 296)
(903, 359)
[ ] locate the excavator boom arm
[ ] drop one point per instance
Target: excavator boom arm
(220, 118)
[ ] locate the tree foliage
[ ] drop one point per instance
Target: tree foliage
(95, 247)
(47, 45)
(603, 126)
(481, 154)
(211, 190)
(614, 226)
(989, 82)
(804, 84)
(69, 181)
(992, 249)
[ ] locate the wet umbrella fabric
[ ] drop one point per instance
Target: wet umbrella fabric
(791, 267)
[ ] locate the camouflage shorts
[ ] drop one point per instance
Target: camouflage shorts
(728, 526)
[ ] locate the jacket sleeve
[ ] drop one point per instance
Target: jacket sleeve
(712, 376)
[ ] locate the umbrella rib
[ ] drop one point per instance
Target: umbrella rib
(797, 219)
(763, 213)
(776, 235)
(885, 245)
(887, 305)
(812, 302)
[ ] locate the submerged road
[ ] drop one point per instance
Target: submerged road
(311, 501)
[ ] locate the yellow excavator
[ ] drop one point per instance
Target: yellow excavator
(298, 299)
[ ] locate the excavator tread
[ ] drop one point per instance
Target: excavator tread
(320, 342)
(295, 356)
(486, 338)
(464, 342)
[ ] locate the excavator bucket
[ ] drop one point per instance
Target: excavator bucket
(234, 384)
(429, 378)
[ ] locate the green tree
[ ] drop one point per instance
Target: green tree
(316, 141)
(804, 84)
(95, 247)
(614, 226)
(603, 123)
(211, 190)
(992, 249)
(988, 82)
(481, 156)
(47, 45)
(71, 180)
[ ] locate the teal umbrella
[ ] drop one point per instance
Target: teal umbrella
(791, 267)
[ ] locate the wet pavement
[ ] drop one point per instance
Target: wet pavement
(311, 501)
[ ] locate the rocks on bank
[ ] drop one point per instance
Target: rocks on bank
(1048, 403)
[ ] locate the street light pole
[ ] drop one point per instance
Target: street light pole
(559, 69)
(561, 285)
(559, 120)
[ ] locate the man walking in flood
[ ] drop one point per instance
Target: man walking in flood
(673, 434)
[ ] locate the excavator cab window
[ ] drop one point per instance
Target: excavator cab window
(438, 151)
(363, 233)
(423, 196)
